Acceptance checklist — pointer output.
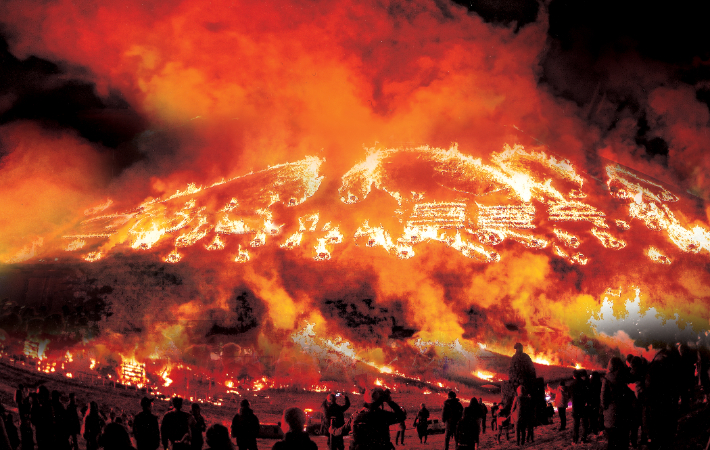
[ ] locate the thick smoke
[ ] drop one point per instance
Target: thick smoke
(210, 92)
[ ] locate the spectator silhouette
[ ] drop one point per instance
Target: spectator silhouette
(292, 423)
(451, 415)
(245, 427)
(145, 427)
(616, 404)
(198, 427)
(217, 438)
(175, 429)
(93, 425)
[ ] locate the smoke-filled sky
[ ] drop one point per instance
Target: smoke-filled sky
(105, 106)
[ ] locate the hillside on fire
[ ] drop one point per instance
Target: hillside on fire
(229, 198)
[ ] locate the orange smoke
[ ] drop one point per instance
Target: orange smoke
(300, 166)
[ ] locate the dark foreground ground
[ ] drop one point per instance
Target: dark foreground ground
(694, 428)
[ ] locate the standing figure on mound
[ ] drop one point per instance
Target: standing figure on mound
(175, 429)
(451, 415)
(371, 424)
(521, 371)
(245, 427)
(334, 416)
(421, 423)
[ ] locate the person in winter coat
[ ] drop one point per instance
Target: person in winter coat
(521, 413)
(10, 428)
(661, 395)
(334, 416)
(292, 423)
(468, 430)
(198, 427)
(451, 414)
(115, 437)
(401, 428)
(145, 427)
(217, 438)
(579, 390)
(494, 417)
(421, 422)
(245, 427)
(637, 375)
(370, 427)
(595, 394)
(176, 427)
(616, 405)
(93, 426)
(521, 370)
(561, 402)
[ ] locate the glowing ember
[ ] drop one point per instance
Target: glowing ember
(243, 256)
(657, 256)
(173, 257)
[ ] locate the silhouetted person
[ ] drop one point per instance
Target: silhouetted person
(43, 420)
(451, 415)
(637, 375)
(4, 440)
(175, 427)
(579, 391)
(616, 404)
(661, 396)
(292, 423)
(522, 370)
(198, 427)
(93, 425)
(10, 428)
(595, 392)
(145, 427)
(468, 429)
(421, 423)
(494, 417)
(401, 428)
(60, 430)
(26, 433)
(371, 424)
(484, 413)
(521, 413)
(686, 383)
(245, 427)
(73, 422)
(334, 416)
(561, 401)
(217, 438)
(115, 437)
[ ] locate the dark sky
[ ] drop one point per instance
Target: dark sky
(594, 52)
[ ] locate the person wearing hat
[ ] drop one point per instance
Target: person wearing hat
(245, 427)
(145, 427)
(371, 424)
(175, 428)
(522, 370)
(334, 416)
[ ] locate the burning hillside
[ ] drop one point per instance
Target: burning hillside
(291, 195)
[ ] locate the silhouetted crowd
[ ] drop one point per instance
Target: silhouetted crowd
(636, 402)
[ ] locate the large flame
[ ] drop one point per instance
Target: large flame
(297, 201)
